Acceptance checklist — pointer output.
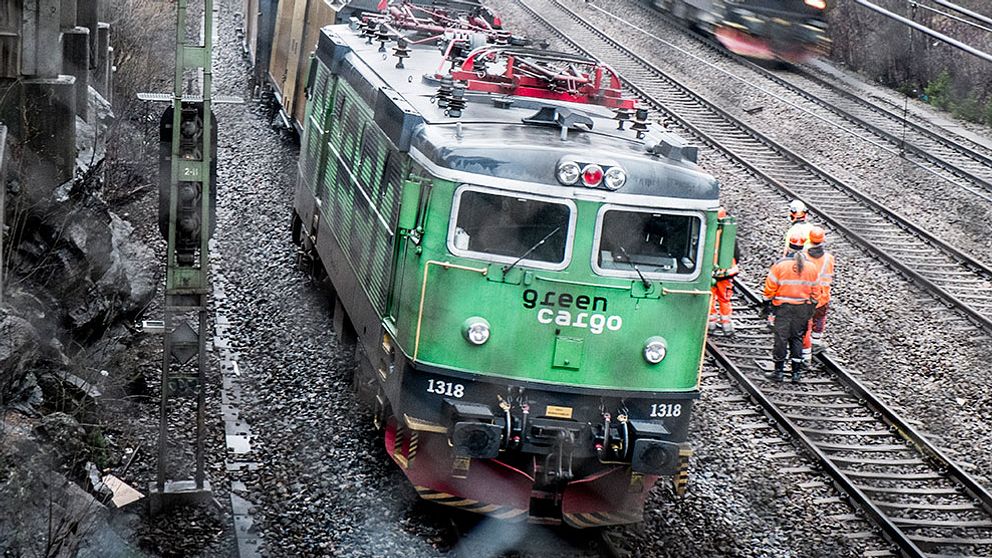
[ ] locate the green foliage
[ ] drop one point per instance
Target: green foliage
(969, 109)
(938, 91)
(96, 443)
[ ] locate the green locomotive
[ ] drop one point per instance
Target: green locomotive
(527, 270)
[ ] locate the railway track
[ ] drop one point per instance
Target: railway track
(957, 161)
(951, 275)
(922, 501)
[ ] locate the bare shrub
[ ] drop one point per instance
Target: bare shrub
(144, 41)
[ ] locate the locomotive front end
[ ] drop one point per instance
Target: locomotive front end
(557, 322)
(788, 30)
(528, 281)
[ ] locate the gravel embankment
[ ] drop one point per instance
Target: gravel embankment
(325, 487)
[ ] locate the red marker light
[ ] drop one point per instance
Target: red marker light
(592, 175)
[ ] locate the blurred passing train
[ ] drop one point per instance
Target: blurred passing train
(783, 30)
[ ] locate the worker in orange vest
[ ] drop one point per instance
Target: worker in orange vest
(824, 262)
(723, 288)
(792, 288)
(799, 217)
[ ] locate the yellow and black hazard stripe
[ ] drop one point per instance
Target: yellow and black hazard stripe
(411, 448)
(599, 519)
(398, 446)
(681, 479)
(467, 504)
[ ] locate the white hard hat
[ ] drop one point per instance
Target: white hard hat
(797, 206)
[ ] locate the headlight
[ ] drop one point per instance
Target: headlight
(655, 350)
(568, 172)
(615, 178)
(476, 330)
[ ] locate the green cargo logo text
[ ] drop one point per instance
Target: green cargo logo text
(594, 321)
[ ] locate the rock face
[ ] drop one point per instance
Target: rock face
(82, 256)
(19, 350)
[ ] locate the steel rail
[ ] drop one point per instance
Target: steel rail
(844, 483)
(896, 218)
(901, 427)
(918, 128)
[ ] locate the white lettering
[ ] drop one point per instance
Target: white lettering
(544, 315)
(595, 323)
(580, 320)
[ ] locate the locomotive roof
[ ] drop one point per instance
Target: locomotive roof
(493, 141)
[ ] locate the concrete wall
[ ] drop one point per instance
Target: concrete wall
(51, 52)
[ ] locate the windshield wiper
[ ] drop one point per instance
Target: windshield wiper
(647, 284)
(507, 268)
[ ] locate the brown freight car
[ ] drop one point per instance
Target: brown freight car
(279, 36)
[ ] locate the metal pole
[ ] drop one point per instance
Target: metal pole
(3, 194)
(939, 36)
(201, 389)
(163, 409)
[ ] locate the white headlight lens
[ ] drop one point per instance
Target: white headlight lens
(615, 178)
(476, 330)
(568, 172)
(655, 350)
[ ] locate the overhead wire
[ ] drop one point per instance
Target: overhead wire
(926, 30)
(951, 16)
(972, 14)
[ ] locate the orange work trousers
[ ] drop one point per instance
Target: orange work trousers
(720, 308)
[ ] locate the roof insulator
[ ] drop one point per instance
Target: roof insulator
(640, 125)
(401, 51)
(382, 35)
(444, 91)
(623, 115)
(457, 102)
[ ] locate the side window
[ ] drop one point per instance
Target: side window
(657, 243)
(506, 227)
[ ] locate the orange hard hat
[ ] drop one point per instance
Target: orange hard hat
(816, 235)
(721, 213)
(796, 241)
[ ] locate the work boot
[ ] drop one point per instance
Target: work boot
(819, 348)
(797, 369)
(712, 325)
(778, 374)
(728, 328)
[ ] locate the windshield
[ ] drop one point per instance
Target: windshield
(504, 227)
(656, 243)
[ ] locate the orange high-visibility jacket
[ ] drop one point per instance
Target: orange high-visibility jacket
(787, 285)
(825, 265)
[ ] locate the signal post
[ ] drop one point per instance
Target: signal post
(187, 201)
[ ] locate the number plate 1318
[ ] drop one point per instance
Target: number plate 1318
(447, 389)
